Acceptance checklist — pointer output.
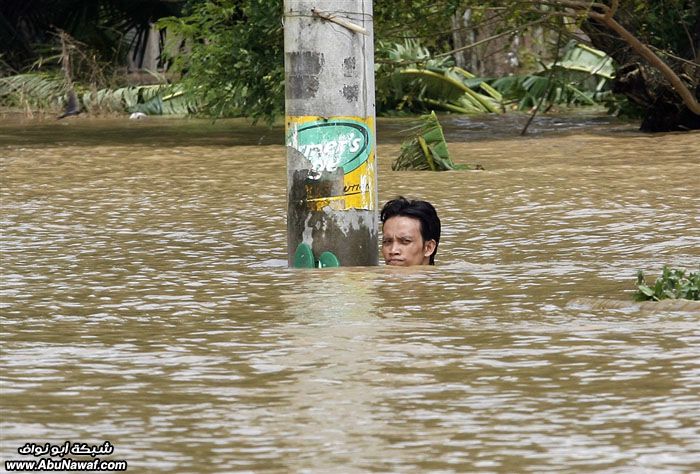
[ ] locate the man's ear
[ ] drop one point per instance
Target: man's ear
(429, 248)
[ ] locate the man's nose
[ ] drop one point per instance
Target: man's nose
(394, 249)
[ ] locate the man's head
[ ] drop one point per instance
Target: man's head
(411, 232)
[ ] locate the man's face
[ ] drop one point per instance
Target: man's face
(402, 243)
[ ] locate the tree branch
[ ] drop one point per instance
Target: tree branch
(604, 14)
(643, 50)
(490, 38)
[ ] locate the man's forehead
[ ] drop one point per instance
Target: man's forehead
(402, 224)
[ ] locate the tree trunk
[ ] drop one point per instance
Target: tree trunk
(663, 108)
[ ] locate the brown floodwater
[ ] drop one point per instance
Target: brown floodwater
(146, 301)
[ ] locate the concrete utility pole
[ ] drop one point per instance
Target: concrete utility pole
(330, 129)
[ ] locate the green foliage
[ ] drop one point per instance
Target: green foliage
(426, 149)
(164, 100)
(668, 25)
(235, 65)
(36, 91)
(428, 20)
(28, 28)
(673, 284)
(595, 64)
(232, 63)
(581, 77)
(672, 29)
(158, 99)
(45, 91)
(410, 79)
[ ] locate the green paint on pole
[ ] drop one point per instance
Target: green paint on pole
(329, 144)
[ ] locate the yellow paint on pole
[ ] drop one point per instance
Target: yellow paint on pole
(329, 144)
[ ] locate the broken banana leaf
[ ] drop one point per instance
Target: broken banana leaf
(427, 149)
(447, 86)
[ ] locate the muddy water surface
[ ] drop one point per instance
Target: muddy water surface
(146, 301)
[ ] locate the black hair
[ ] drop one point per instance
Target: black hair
(421, 210)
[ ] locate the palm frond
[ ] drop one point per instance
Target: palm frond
(38, 90)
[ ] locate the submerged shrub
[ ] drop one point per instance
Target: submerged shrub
(672, 284)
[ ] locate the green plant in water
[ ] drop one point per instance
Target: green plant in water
(427, 149)
(582, 76)
(45, 91)
(37, 91)
(672, 284)
(410, 79)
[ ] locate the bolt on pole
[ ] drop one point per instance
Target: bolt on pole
(330, 129)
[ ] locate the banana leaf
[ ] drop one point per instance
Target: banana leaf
(528, 91)
(170, 101)
(582, 58)
(447, 87)
(461, 107)
(473, 83)
(581, 77)
(112, 100)
(408, 77)
(435, 85)
(427, 149)
(40, 90)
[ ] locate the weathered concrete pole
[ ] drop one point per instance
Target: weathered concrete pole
(330, 130)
